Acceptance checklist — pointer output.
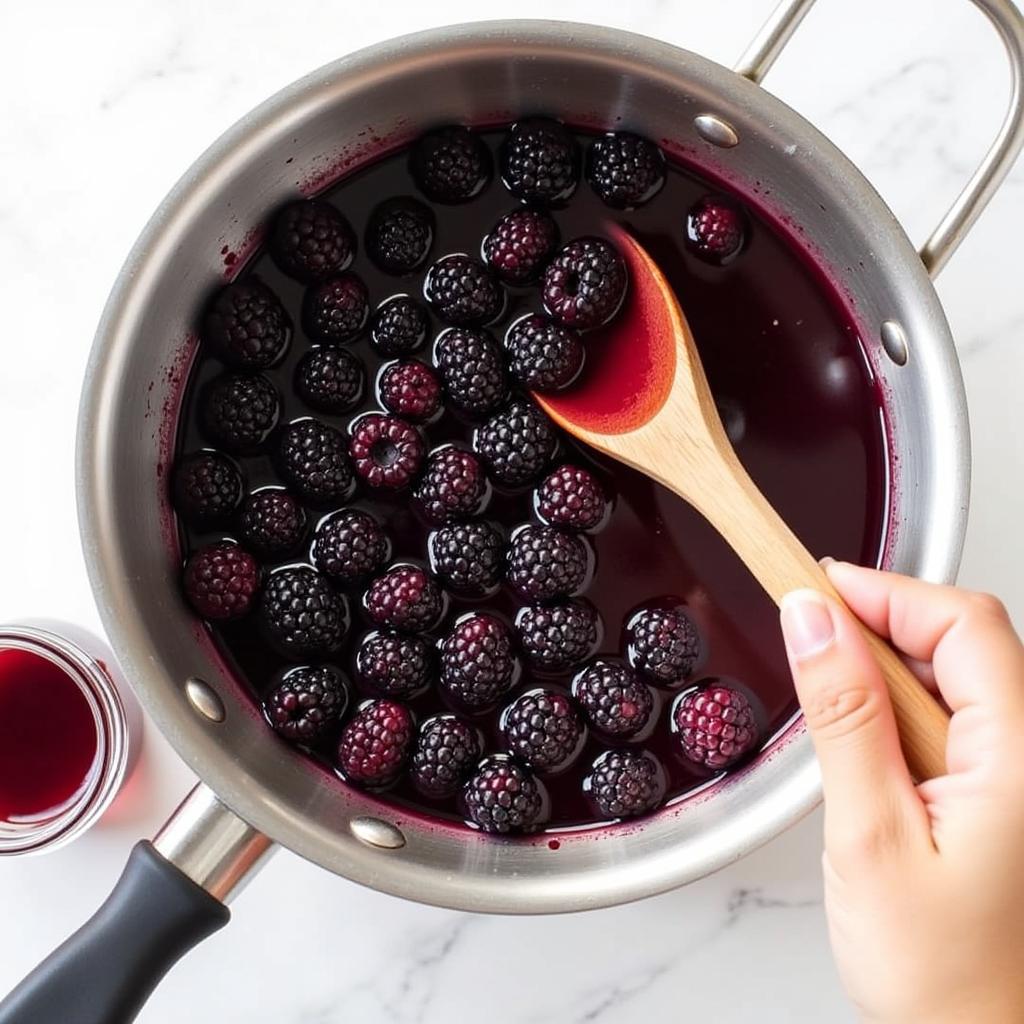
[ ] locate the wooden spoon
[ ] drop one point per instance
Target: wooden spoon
(654, 411)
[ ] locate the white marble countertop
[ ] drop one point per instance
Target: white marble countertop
(105, 104)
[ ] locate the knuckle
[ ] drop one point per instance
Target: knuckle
(836, 711)
(868, 838)
(989, 606)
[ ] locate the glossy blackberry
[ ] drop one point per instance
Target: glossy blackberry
(386, 451)
(543, 729)
(502, 797)
(399, 234)
(240, 410)
(540, 161)
(374, 745)
(558, 637)
(314, 460)
(545, 562)
(571, 497)
(625, 170)
(272, 521)
(664, 645)
(349, 545)
(336, 310)
(715, 229)
(451, 165)
(468, 557)
(247, 326)
(399, 326)
(221, 581)
(472, 369)
(453, 485)
(446, 750)
(715, 726)
(613, 699)
(307, 704)
(519, 245)
(330, 379)
(404, 598)
(310, 240)
(477, 663)
(301, 613)
(585, 283)
(543, 355)
(462, 292)
(207, 488)
(516, 443)
(625, 783)
(394, 665)
(410, 388)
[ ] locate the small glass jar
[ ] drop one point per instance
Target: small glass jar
(88, 664)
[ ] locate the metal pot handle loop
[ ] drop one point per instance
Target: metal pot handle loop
(763, 51)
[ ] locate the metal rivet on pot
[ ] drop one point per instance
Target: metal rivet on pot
(715, 130)
(374, 832)
(205, 699)
(894, 341)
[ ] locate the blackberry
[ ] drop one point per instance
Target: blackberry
(519, 245)
(543, 355)
(468, 557)
(207, 488)
(472, 369)
(330, 379)
(336, 310)
(664, 645)
(558, 637)
(502, 797)
(451, 165)
(221, 581)
(399, 234)
(386, 451)
(461, 291)
(715, 725)
(477, 663)
(247, 326)
(307, 704)
(625, 170)
(613, 699)
(374, 745)
(349, 545)
(625, 783)
(446, 750)
(240, 410)
(715, 229)
(571, 496)
(453, 486)
(543, 729)
(310, 240)
(585, 284)
(314, 460)
(272, 521)
(394, 665)
(301, 613)
(404, 598)
(399, 326)
(516, 443)
(410, 388)
(540, 161)
(545, 562)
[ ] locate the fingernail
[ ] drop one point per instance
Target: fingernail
(806, 623)
(826, 561)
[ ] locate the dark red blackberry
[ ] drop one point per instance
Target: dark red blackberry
(715, 726)
(453, 486)
(330, 379)
(519, 245)
(310, 240)
(399, 326)
(468, 557)
(221, 581)
(374, 746)
(543, 729)
(405, 598)
(462, 291)
(664, 645)
(336, 310)
(545, 562)
(625, 170)
(240, 410)
(715, 229)
(472, 369)
(302, 614)
(247, 325)
(394, 665)
(543, 355)
(272, 521)
(208, 488)
(349, 545)
(477, 663)
(516, 443)
(386, 451)
(571, 496)
(446, 750)
(585, 283)
(625, 783)
(314, 459)
(399, 234)
(540, 161)
(557, 637)
(451, 165)
(503, 797)
(307, 704)
(613, 699)
(410, 388)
